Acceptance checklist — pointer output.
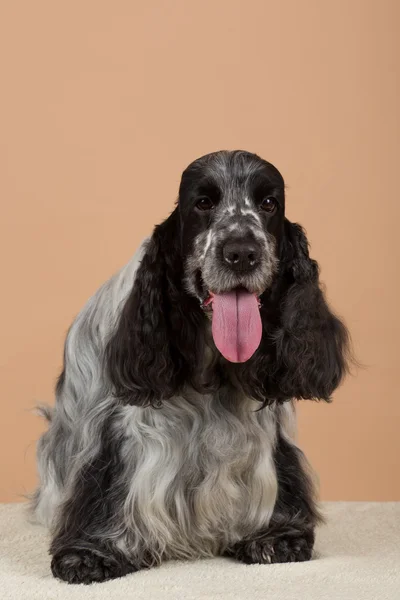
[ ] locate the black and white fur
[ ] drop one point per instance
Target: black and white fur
(158, 448)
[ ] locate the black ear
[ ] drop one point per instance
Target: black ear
(149, 356)
(311, 345)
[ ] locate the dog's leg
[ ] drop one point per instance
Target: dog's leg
(289, 536)
(88, 536)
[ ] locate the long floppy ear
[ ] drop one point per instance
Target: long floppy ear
(311, 344)
(148, 356)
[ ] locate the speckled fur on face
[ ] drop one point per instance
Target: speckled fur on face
(238, 183)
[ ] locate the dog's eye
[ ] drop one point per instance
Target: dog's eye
(268, 204)
(204, 203)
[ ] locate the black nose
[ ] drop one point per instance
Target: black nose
(241, 256)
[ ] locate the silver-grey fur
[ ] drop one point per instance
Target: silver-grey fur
(200, 471)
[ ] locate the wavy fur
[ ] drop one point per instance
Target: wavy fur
(157, 447)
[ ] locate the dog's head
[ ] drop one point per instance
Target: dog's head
(231, 207)
(227, 253)
(232, 210)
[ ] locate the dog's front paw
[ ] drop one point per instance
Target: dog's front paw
(280, 550)
(85, 566)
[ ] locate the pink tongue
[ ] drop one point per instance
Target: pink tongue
(236, 324)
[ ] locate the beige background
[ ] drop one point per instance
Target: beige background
(103, 104)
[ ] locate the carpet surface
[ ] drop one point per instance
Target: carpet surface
(357, 558)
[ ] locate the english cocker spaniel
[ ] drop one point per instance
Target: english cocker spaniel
(172, 432)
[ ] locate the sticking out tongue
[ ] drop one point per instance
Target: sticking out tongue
(236, 324)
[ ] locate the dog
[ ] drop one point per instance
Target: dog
(172, 435)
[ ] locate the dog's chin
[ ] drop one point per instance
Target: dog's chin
(208, 295)
(207, 290)
(205, 285)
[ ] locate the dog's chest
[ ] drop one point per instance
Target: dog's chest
(203, 469)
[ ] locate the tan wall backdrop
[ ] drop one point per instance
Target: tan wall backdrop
(102, 105)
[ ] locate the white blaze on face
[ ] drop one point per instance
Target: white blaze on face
(249, 210)
(207, 244)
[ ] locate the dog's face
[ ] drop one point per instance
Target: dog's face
(231, 206)
(232, 212)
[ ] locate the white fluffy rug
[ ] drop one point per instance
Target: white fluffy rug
(357, 558)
